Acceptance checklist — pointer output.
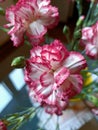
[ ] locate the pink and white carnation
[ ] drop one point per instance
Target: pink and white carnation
(90, 40)
(2, 126)
(53, 76)
(30, 17)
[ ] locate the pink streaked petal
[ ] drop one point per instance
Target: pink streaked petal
(35, 40)
(49, 17)
(52, 99)
(24, 13)
(36, 51)
(46, 79)
(37, 69)
(38, 93)
(63, 104)
(92, 51)
(43, 92)
(60, 48)
(17, 36)
(10, 16)
(34, 96)
(54, 53)
(52, 58)
(56, 106)
(52, 109)
(37, 59)
(77, 82)
(87, 33)
(61, 75)
(70, 87)
(46, 92)
(47, 55)
(43, 3)
(17, 41)
(75, 62)
(64, 90)
(36, 29)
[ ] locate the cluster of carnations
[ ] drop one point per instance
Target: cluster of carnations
(53, 73)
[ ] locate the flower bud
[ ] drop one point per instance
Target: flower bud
(66, 29)
(80, 21)
(18, 62)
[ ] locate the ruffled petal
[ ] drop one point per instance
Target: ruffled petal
(46, 79)
(75, 62)
(70, 87)
(61, 75)
(92, 51)
(77, 82)
(37, 70)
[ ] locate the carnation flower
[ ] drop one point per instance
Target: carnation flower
(32, 17)
(2, 126)
(53, 75)
(90, 40)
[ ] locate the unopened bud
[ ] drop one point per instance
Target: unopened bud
(66, 29)
(18, 62)
(80, 20)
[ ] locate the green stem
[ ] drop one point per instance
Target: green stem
(17, 119)
(4, 29)
(79, 7)
(88, 14)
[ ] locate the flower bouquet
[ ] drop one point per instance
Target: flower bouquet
(56, 74)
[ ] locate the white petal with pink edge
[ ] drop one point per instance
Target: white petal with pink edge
(37, 70)
(75, 62)
(61, 74)
(77, 82)
(46, 79)
(91, 51)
